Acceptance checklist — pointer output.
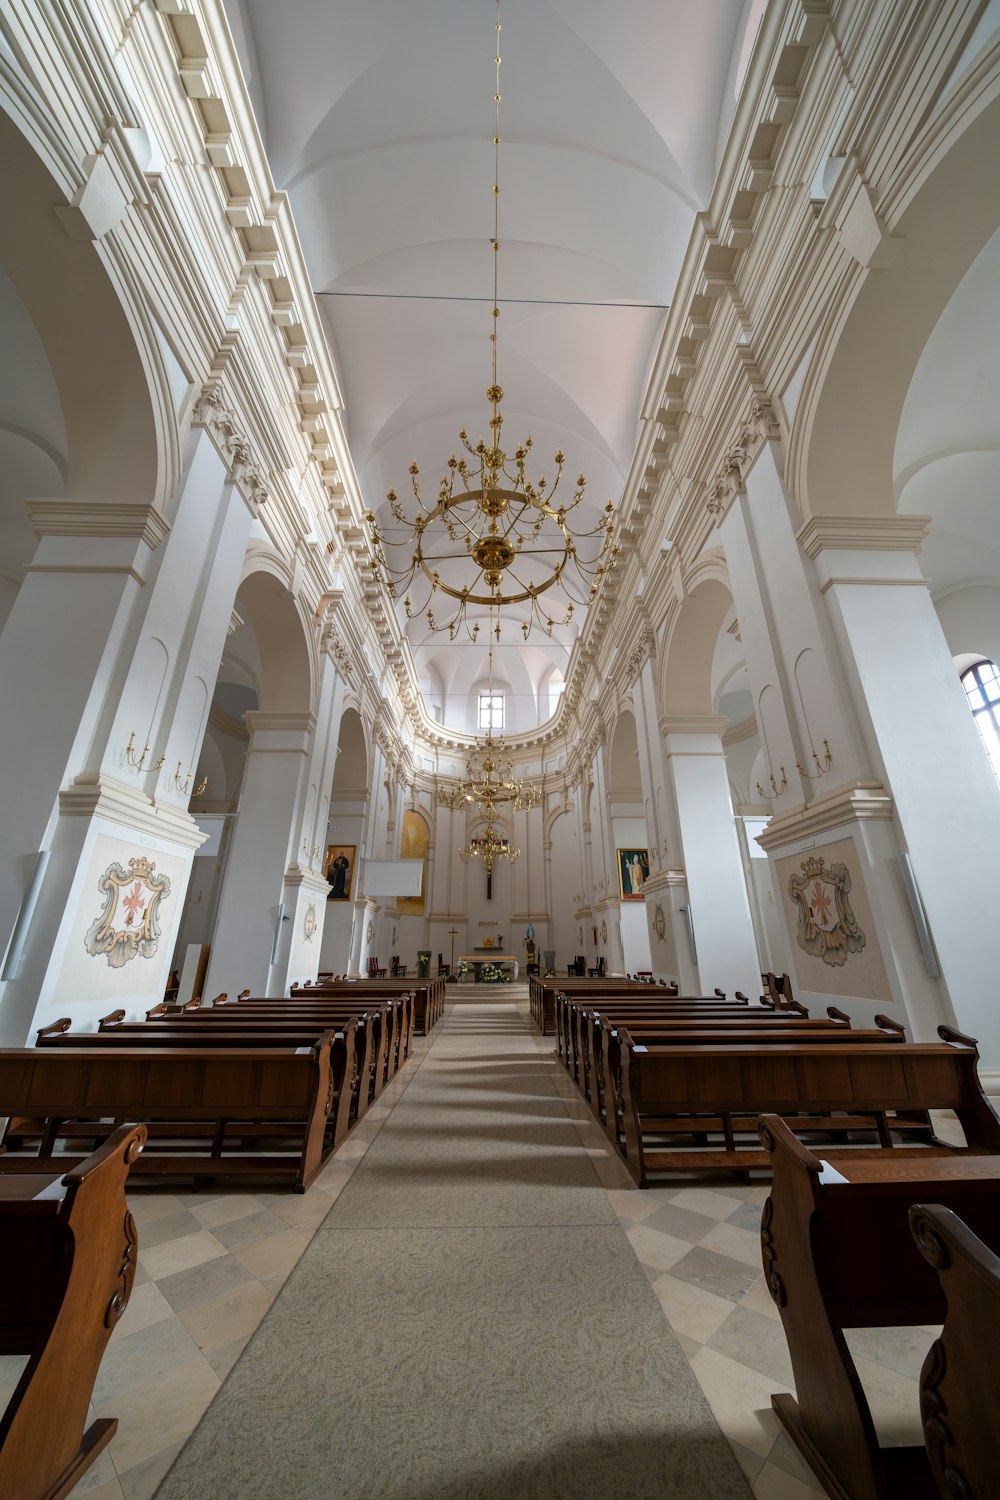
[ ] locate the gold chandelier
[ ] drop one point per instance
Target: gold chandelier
(489, 847)
(510, 533)
(490, 774)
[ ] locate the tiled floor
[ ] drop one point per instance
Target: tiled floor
(210, 1265)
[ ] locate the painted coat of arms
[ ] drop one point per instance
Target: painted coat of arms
(827, 926)
(129, 923)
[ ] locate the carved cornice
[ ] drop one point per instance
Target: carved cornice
(84, 518)
(737, 732)
(893, 533)
(102, 797)
(249, 477)
(861, 802)
(760, 427)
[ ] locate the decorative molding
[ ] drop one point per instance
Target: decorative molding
(693, 724)
(85, 518)
(860, 802)
(333, 643)
(733, 629)
(637, 657)
(235, 621)
(761, 426)
(737, 732)
(102, 797)
(249, 477)
(226, 724)
(896, 533)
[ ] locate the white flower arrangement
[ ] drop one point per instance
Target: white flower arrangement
(493, 974)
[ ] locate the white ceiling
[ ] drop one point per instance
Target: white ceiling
(378, 120)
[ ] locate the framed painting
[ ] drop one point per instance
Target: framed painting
(633, 872)
(339, 871)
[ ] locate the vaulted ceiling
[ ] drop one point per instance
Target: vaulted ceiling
(378, 120)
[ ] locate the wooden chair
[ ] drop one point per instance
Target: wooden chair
(67, 1263)
(959, 1383)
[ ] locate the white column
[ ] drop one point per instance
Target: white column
(670, 953)
(253, 933)
(138, 651)
(717, 896)
(945, 795)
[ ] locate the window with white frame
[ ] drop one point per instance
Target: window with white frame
(491, 711)
(982, 688)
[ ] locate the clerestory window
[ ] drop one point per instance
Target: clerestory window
(982, 688)
(491, 711)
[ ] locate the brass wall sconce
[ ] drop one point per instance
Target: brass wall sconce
(821, 766)
(135, 762)
(777, 787)
(181, 783)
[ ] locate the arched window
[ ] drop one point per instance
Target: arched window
(982, 688)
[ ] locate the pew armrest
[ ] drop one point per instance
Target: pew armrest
(44, 1449)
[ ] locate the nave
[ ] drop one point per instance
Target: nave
(489, 1307)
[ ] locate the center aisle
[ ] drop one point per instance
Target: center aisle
(469, 1321)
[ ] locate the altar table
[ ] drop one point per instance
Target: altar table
(476, 961)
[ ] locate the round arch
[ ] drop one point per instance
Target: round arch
(623, 781)
(351, 769)
(121, 430)
(287, 664)
(842, 444)
(685, 687)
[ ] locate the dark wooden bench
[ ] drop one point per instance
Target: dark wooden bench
(542, 994)
(838, 1253)
(67, 1263)
(959, 1384)
(600, 1080)
(202, 1106)
(570, 1010)
(428, 995)
(872, 1089)
(399, 1019)
(370, 1043)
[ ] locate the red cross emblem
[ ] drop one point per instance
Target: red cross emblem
(133, 904)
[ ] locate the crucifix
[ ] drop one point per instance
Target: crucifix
(452, 933)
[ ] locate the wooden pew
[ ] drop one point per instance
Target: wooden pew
(429, 995)
(838, 1253)
(67, 1263)
(871, 1088)
(370, 1041)
(542, 994)
(201, 1106)
(569, 1042)
(959, 1386)
(395, 1016)
(602, 1083)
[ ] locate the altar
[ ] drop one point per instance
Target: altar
(482, 956)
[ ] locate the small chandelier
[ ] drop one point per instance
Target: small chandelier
(511, 533)
(489, 847)
(490, 774)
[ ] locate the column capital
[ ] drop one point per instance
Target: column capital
(256, 720)
(896, 533)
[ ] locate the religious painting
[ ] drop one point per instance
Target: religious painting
(129, 924)
(414, 843)
(633, 872)
(339, 871)
(826, 927)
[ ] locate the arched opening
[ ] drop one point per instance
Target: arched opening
(842, 454)
(345, 841)
(630, 838)
(686, 687)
